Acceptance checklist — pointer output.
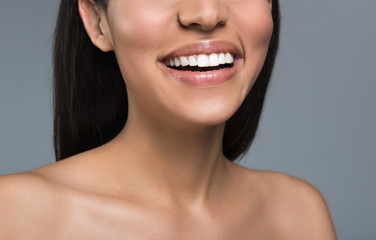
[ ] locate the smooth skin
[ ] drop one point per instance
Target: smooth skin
(164, 176)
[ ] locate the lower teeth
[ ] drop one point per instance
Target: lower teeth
(202, 69)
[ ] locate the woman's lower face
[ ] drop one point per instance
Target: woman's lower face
(189, 61)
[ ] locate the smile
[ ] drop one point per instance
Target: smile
(203, 64)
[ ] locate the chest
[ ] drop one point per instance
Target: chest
(140, 224)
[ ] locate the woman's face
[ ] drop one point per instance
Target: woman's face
(150, 38)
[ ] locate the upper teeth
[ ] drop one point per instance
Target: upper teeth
(201, 60)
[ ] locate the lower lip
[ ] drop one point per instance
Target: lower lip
(202, 79)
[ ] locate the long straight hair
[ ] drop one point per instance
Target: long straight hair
(90, 97)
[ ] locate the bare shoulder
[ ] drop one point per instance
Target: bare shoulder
(300, 207)
(28, 188)
(296, 208)
(27, 200)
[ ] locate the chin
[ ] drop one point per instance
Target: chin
(210, 114)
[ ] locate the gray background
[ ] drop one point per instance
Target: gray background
(318, 121)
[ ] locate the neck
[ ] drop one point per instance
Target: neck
(181, 164)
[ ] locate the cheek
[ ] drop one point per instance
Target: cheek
(260, 30)
(255, 23)
(138, 26)
(255, 20)
(138, 31)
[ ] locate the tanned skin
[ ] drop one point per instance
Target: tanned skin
(164, 177)
(75, 199)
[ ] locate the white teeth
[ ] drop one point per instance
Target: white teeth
(229, 58)
(177, 62)
(184, 61)
(192, 61)
(222, 58)
(213, 60)
(172, 62)
(201, 60)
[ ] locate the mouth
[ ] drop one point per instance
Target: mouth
(205, 63)
(201, 62)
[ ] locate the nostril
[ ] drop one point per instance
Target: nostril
(203, 15)
(221, 24)
(204, 27)
(194, 25)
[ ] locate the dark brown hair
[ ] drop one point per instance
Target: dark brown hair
(90, 98)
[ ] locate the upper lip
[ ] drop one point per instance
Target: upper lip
(205, 47)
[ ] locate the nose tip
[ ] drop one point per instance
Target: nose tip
(203, 15)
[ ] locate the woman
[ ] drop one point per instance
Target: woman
(153, 102)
